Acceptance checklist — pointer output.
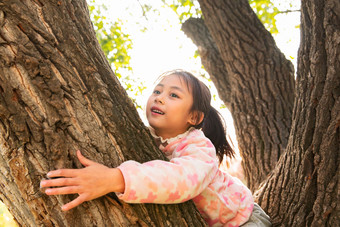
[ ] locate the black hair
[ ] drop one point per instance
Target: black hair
(212, 125)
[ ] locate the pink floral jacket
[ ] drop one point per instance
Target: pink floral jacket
(191, 173)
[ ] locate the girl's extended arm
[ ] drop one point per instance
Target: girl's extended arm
(181, 179)
(91, 182)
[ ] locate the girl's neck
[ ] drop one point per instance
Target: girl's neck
(166, 137)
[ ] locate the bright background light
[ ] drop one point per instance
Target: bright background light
(163, 46)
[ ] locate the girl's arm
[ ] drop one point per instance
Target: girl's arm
(91, 182)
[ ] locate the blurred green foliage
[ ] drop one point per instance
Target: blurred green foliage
(184, 8)
(266, 12)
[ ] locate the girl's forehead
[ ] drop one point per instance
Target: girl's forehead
(175, 80)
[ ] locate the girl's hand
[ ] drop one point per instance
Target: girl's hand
(91, 182)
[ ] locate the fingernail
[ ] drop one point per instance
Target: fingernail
(64, 208)
(47, 191)
(48, 174)
(42, 183)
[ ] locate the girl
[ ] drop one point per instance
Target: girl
(176, 111)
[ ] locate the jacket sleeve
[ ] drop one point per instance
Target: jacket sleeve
(190, 170)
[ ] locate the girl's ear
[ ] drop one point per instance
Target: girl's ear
(196, 117)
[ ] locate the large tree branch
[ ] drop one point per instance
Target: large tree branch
(58, 94)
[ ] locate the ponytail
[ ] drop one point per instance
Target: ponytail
(214, 128)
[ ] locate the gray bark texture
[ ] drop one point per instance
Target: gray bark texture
(57, 95)
(304, 189)
(253, 78)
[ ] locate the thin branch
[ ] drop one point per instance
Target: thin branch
(290, 11)
(144, 12)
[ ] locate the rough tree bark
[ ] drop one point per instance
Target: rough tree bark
(259, 79)
(304, 189)
(58, 94)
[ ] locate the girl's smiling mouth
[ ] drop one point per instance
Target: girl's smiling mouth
(156, 110)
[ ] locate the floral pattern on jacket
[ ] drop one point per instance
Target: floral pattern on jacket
(191, 173)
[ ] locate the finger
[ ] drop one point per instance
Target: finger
(58, 182)
(83, 160)
(63, 173)
(76, 202)
(62, 190)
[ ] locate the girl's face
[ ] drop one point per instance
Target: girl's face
(168, 108)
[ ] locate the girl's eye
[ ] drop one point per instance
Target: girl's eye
(174, 95)
(156, 92)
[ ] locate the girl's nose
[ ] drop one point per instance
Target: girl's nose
(159, 99)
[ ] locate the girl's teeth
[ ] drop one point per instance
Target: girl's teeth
(157, 111)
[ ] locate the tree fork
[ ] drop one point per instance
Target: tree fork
(241, 56)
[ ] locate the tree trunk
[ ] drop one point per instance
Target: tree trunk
(304, 189)
(58, 94)
(259, 78)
